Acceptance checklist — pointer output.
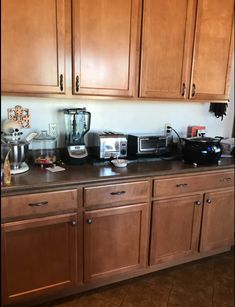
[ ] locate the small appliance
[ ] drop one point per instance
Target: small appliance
(77, 124)
(111, 145)
(202, 150)
(146, 144)
(18, 149)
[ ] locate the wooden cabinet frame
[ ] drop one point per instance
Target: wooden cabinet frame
(41, 84)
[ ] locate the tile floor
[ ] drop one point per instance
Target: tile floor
(205, 283)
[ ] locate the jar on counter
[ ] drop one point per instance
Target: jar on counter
(44, 146)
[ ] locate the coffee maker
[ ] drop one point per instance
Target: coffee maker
(77, 124)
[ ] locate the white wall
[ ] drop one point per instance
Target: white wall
(125, 116)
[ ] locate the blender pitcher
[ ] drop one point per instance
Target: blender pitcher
(77, 124)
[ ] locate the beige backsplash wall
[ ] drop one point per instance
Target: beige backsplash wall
(124, 116)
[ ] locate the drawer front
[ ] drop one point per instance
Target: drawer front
(188, 184)
(36, 204)
(116, 193)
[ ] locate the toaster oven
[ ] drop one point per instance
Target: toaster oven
(147, 145)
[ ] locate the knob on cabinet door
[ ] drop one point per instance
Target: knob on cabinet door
(198, 203)
(208, 201)
(89, 221)
(73, 223)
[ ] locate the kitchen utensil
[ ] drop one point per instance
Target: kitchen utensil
(202, 150)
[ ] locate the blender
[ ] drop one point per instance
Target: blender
(77, 124)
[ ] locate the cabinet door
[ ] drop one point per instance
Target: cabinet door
(212, 50)
(39, 257)
(166, 48)
(175, 228)
(218, 221)
(115, 241)
(104, 46)
(33, 46)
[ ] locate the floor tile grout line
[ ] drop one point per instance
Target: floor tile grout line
(124, 297)
(172, 286)
(213, 282)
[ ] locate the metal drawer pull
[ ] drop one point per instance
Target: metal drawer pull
(181, 185)
(226, 179)
(61, 83)
(77, 83)
(198, 203)
(208, 201)
(38, 204)
(118, 193)
(89, 221)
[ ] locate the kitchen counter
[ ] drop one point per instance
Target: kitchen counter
(37, 179)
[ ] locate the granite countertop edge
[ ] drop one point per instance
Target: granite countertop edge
(91, 175)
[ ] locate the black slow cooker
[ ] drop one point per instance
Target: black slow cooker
(202, 150)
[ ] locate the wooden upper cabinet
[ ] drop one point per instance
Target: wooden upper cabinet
(187, 49)
(213, 48)
(166, 44)
(33, 46)
(104, 46)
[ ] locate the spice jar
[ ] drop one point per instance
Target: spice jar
(44, 146)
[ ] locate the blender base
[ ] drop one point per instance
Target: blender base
(22, 169)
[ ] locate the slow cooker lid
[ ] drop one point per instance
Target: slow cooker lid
(203, 139)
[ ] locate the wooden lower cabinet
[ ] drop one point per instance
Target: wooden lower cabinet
(39, 257)
(175, 228)
(218, 221)
(115, 241)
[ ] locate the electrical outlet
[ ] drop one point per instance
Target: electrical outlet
(52, 129)
(167, 130)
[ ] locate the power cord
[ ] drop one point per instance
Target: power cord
(168, 130)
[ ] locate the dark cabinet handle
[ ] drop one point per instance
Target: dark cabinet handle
(226, 179)
(198, 203)
(181, 185)
(118, 193)
(193, 90)
(183, 92)
(38, 204)
(208, 201)
(73, 223)
(77, 83)
(61, 83)
(89, 221)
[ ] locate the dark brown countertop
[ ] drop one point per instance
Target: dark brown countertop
(38, 179)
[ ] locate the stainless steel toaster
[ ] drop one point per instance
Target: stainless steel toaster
(111, 145)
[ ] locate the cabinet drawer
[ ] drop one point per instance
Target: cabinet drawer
(36, 204)
(116, 193)
(188, 184)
